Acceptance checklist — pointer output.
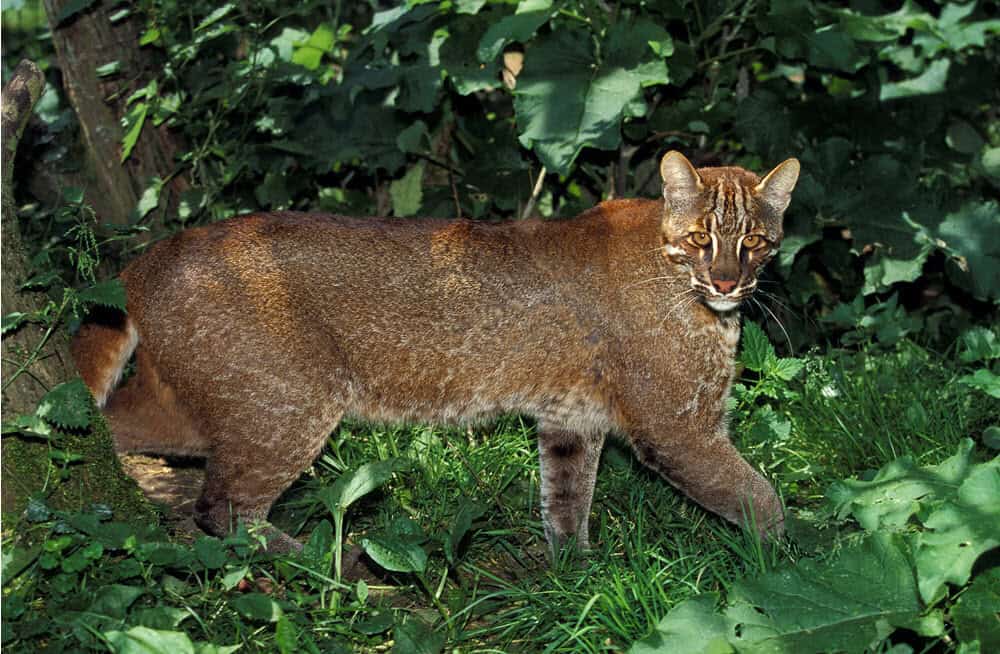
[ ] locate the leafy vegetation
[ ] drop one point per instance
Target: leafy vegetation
(886, 288)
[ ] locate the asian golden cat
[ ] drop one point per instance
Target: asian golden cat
(254, 336)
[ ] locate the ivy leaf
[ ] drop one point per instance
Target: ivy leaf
(757, 353)
(109, 293)
(396, 555)
(407, 193)
(67, 405)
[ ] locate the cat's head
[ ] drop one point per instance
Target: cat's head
(723, 224)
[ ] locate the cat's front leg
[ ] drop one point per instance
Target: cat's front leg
(709, 470)
(568, 466)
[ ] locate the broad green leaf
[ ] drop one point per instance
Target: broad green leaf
(882, 271)
(29, 426)
(757, 353)
(395, 554)
(959, 531)
(67, 405)
(212, 648)
(693, 627)
(787, 368)
(846, 605)
(214, 17)
(991, 437)
(977, 612)
(352, 486)
(972, 235)
(566, 99)
(460, 525)
(109, 293)
(210, 551)
(143, 640)
(414, 138)
(984, 380)
(159, 617)
(979, 344)
(108, 69)
(459, 58)
(518, 28)
(114, 600)
(831, 48)
(133, 122)
(415, 637)
(407, 193)
(257, 606)
(232, 578)
(932, 80)
(377, 624)
(310, 53)
(12, 321)
(286, 636)
(317, 554)
(149, 200)
(899, 490)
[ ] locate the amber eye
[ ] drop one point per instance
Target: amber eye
(701, 239)
(752, 241)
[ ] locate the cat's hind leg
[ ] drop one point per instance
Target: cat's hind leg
(254, 462)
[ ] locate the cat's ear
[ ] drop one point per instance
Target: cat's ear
(776, 188)
(681, 182)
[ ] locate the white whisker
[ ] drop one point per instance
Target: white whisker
(791, 349)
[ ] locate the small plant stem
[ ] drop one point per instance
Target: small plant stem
(442, 609)
(534, 194)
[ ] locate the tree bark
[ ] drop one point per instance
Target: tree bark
(27, 469)
(84, 42)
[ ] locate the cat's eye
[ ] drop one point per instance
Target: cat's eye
(752, 241)
(701, 239)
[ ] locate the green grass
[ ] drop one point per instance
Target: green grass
(652, 548)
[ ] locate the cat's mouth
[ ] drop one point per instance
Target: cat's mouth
(723, 301)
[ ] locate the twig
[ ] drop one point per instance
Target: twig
(534, 194)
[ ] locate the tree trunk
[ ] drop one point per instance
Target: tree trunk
(27, 469)
(84, 42)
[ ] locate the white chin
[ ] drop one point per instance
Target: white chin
(721, 305)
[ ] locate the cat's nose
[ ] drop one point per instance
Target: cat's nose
(724, 285)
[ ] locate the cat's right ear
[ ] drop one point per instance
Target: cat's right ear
(681, 182)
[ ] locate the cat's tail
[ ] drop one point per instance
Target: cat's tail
(101, 349)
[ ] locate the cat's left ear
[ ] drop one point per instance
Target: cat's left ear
(776, 188)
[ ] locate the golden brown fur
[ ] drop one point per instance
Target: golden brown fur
(256, 335)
